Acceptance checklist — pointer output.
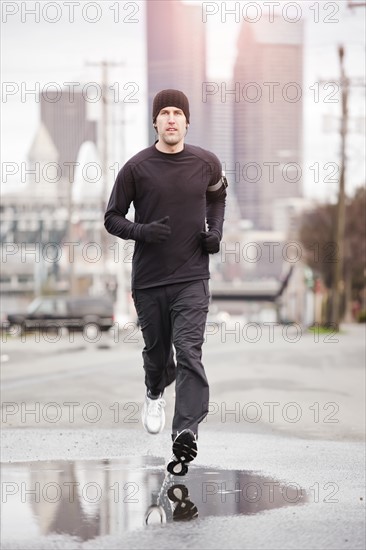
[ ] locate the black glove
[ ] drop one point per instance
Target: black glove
(156, 232)
(210, 241)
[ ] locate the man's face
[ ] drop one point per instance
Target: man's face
(171, 125)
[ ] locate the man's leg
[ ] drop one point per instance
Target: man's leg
(153, 313)
(189, 308)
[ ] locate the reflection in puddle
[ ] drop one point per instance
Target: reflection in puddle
(93, 498)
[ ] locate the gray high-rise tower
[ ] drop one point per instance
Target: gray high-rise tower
(267, 119)
(176, 59)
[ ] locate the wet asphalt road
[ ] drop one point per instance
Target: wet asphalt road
(328, 476)
(286, 415)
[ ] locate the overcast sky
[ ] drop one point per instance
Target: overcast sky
(37, 53)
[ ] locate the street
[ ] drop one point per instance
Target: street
(286, 411)
(262, 378)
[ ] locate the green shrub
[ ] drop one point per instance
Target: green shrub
(362, 316)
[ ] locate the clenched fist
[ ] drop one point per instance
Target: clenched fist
(210, 241)
(157, 231)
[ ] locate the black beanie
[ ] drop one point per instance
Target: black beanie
(170, 98)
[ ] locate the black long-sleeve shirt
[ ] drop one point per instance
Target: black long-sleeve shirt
(186, 186)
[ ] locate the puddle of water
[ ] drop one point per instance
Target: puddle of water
(94, 498)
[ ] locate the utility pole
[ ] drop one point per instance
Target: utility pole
(103, 143)
(70, 236)
(338, 284)
(340, 221)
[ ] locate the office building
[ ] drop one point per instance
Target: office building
(267, 117)
(176, 59)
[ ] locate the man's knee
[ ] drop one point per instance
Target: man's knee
(188, 348)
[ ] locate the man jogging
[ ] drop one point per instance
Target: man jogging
(175, 188)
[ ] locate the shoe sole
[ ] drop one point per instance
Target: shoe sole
(177, 468)
(185, 447)
(184, 508)
(185, 450)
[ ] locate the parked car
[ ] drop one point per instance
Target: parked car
(65, 311)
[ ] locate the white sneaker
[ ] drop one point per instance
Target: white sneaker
(155, 515)
(153, 415)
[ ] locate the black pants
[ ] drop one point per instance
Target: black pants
(176, 314)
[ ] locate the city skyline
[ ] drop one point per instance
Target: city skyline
(63, 62)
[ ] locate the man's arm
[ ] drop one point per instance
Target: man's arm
(215, 210)
(215, 205)
(123, 193)
(115, 222)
